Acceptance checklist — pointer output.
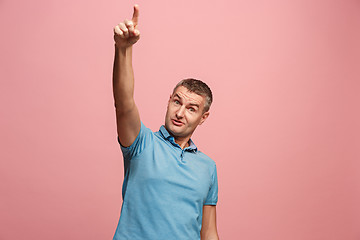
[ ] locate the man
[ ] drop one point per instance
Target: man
(170, 188)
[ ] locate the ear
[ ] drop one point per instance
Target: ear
(204, 117)
(169, 98)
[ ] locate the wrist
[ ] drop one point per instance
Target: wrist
(123, 50)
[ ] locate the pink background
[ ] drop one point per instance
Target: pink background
(284, 127)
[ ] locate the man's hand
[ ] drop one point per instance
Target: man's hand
(126, 33)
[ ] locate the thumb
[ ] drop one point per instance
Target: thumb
(135, 17)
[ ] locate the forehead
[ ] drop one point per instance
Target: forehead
(188, 96)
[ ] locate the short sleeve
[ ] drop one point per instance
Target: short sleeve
(142, 139)
(212, 197)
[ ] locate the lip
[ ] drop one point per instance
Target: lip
(176, 122)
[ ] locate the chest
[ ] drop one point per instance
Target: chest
(171, 172)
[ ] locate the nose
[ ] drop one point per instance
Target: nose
(180, 112)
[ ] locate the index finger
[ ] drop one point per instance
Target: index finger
(135, 17)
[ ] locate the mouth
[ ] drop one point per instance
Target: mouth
(177, 122)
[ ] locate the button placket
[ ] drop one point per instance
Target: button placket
(182, 154)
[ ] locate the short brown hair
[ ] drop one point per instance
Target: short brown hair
(198, 87)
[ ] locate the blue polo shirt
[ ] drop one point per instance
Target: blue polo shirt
(164, 188)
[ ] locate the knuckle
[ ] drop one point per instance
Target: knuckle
(117, 30)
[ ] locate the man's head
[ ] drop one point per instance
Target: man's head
(198, 87)
(188, 107)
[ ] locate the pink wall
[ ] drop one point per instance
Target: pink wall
(284, 128)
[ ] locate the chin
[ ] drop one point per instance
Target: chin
(174, 130)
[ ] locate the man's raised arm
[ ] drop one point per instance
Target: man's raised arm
(127, 116)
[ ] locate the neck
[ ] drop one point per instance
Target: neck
(183, 142)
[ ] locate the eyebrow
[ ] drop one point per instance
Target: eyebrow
(192, 104)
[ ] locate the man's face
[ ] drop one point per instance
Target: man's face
(185, 111)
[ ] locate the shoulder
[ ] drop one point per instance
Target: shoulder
(208, 160)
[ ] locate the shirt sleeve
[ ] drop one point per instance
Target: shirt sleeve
(139, 144)
(212, 197)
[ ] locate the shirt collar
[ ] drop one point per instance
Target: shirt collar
(170, 138)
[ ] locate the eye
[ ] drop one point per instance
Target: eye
(192, 109)
(176, 102)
